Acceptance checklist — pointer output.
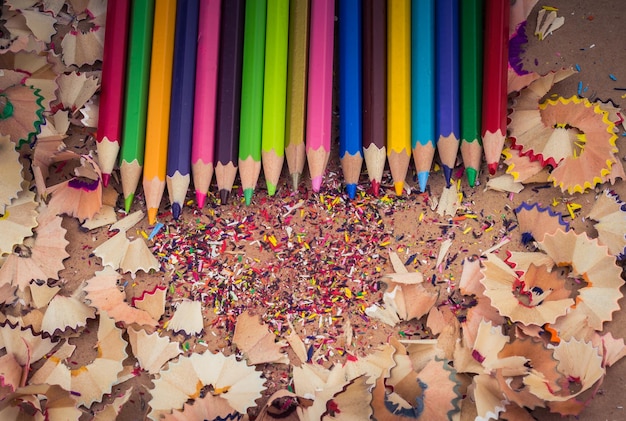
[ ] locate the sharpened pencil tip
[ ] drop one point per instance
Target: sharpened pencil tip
(422, 179)
(447, 173)
(375, 188)
(471, 175)
(128, 202)
(351, 190)
(224, 196)
(271, 188)
(152, 215)
(200, 198)
(316, 182)
(399, 187)
(295, 181)
(493, 167)
(247, 195)
(105, 179)
(176, 210)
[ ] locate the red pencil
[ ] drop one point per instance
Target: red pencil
(110, 115)
(496, 47)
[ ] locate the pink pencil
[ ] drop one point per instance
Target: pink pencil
(205, 98)
(320, 89)
(110, 115)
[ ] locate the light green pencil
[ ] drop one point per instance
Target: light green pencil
(274, 92)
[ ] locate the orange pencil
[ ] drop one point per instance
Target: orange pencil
(158, 119)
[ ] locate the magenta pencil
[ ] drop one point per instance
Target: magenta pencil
(110, 115)
(320, 89)
(205, 99)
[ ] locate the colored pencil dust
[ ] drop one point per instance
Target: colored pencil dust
(205, 98)
(136, 98)
(399, 91)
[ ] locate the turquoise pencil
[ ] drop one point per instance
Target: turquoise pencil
(423, 140)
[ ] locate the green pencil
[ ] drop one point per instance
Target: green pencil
(274, 92)
(136, 99)
(471, 15)
(251, 118)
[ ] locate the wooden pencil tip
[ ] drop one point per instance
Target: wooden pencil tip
(128, 202)
(399, 187)
(447, 173)
(152, 215)
(200, 198)
(271, 189)
(493, 167)
(351, 190)
(224, 196)
(471, 175)
(295, 181)
(422, 179)
(176, 210)
(105, 179)
(247, 195)
(375, 188)
(316, 182)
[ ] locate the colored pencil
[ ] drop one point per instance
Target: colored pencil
(136, 98)
(496, 42)
(447, 84)
(205, 98)
(471, 12)
(181, 111)
(110, 114)
(350, 94)
(423, 139)
(399, 91)
(229, 96)
(320, 89)
(275, 92)
(297, 64)
(159, 100)
(251, 119)
(375, 90)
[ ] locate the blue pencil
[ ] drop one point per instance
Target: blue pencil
(423, 140)
(182, 101)
(350, 94)
(447, 84)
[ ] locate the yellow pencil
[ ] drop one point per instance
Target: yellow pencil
(399, 91)
(158, 118)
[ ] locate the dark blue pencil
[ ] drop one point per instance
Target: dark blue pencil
(181, 110)
(447, 84)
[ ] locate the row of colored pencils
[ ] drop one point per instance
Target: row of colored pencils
(194, 89)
